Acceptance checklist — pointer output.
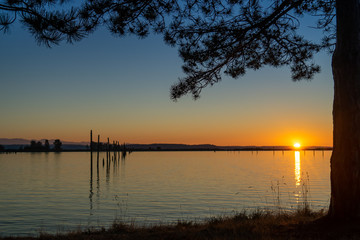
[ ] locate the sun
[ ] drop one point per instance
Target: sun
(297, 145)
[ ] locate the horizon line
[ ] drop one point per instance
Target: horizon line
(67, 142)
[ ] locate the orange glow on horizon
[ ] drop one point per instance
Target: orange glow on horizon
(220, 136)
(222, 139)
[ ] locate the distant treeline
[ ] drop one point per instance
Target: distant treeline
(40, 147)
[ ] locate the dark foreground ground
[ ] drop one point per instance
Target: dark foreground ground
(257, 225)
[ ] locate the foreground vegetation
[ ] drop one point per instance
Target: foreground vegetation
(302, 224)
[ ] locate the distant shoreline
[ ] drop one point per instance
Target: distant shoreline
(24, 145)
(187, 148)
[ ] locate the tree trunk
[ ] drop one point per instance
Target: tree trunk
(345, 159)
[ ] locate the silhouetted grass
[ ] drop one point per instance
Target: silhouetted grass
(301, 224)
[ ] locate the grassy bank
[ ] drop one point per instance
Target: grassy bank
(302, 224)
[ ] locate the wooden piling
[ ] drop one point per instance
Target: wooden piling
(114, 150)
(91, 156)
(98, 144)
(118, 148)
(107, 150)
(91, 140)
(108, 144)
(98, 149)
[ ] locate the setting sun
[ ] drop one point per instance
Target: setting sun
(297, 145)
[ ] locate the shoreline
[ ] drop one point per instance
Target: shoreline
(260, 224)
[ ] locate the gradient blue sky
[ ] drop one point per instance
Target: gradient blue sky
(119, 87)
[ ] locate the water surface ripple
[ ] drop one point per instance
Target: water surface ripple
(55, 192)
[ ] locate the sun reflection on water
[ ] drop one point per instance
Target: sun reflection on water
(297, 168)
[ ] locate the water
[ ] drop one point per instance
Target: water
(56, 192)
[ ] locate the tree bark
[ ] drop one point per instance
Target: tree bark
(345, 159)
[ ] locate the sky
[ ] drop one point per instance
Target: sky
(120, 88)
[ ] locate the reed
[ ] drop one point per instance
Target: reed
(259, 224)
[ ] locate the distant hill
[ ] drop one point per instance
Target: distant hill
(22, 141)
(210, 147)
(10, 141)
(169, 146)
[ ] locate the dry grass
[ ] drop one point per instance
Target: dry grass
(302, 224)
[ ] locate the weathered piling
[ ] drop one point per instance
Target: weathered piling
(108, 149)
(119, 150)
(91, 171)
(114, 153)
(91, 141)
(91, 155)
(97, 156)
(114, 150)
(98, 144)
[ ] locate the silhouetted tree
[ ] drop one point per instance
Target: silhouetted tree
(32, 144)
(2, 148)
(46, 145)
(229, 37)
(39, 146)
(35, 146)
(57, 145)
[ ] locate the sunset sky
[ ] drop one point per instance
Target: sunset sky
(119, 88)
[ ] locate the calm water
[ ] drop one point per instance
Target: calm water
(58, 191)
